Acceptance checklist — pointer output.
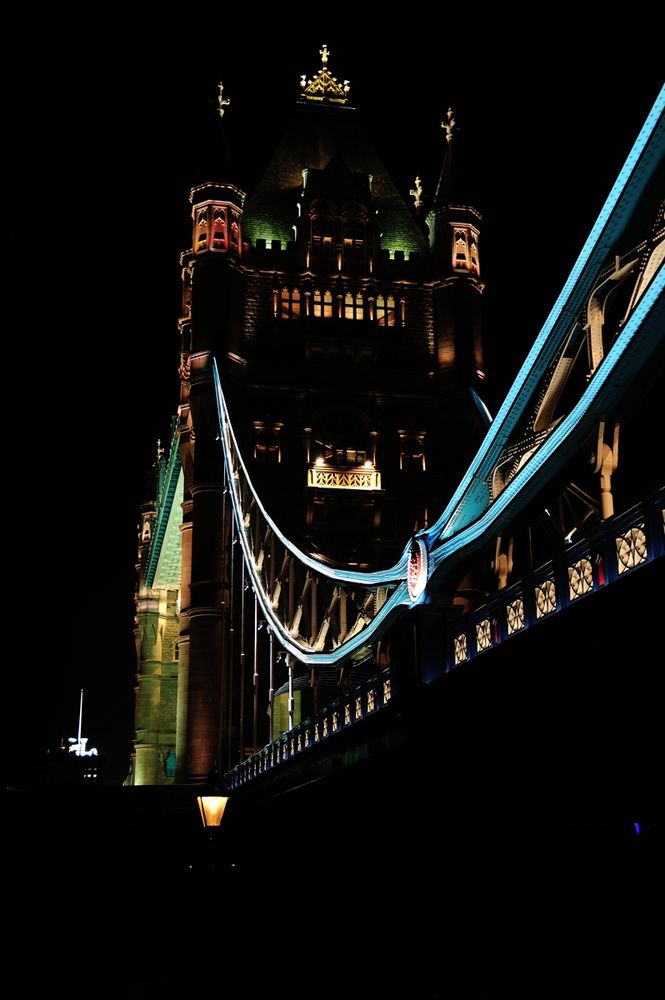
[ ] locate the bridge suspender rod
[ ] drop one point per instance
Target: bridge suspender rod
(255, 731)
(241, 727)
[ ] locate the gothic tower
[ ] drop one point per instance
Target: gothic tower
(345, 326)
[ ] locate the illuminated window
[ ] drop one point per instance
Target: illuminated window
(474, 257)
(465, 249)
(290, 303)
(385, 310)
(322, 304)
(202, 230)
(218, 229)
(235, 231)
(354, 306)
(460, 256)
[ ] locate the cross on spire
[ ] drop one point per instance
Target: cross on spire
(449, 124)
(324, 53)
(222, 102)
(416, 193)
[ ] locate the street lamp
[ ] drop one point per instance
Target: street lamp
(212, 803)
(212, 809)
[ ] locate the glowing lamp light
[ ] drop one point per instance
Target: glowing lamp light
(212, 809)
(318, 460)
(367, 465)
(212, 802)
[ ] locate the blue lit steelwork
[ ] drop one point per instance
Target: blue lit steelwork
(473, 514)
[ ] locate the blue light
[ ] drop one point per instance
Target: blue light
(471, 513)
(637, 828)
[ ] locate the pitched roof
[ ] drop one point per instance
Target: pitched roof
(312, 138)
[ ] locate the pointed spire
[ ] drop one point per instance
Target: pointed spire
(451, 214)
(444, 187)
(324, 87)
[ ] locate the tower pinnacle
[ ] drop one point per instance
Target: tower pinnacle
(222, 102)
(449, 125)
(324, 86)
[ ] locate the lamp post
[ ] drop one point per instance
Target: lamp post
(212, 802)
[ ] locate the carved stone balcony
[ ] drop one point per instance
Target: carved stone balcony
(331, 477)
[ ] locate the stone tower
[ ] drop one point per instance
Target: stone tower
(344, 319)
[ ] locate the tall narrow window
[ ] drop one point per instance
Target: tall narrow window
(412, 452)
(218, 229)
(474, 256)
(385, 310)
(267, 450)
(235, 231)
(354, 238)
(290, 303)
(322, 234)
(460, 256)
(202, 230)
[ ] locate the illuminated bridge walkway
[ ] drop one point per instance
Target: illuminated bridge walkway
(621, 545)
(603, 335)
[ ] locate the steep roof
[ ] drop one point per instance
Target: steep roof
(313, 137)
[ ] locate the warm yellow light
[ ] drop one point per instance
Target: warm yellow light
(212, 809)
(318, 460)
(367, 465)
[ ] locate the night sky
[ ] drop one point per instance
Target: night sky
(106, 120)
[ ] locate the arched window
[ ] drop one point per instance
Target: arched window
(202, 230)
(322, 234)
(412, 451)
(267, 449)
(218, 229)
(235, 231)
(354, 238)
(460, 254)
(474, 256)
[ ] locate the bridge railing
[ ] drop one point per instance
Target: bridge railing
(352, 707)
(614, 548)
(618, 546)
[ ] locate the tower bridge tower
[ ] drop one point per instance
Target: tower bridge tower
(345, 320)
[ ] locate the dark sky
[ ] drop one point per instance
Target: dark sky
(105, 121)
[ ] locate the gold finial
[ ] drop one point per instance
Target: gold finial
(324, 86)
(449, 124)
(416, 193)
(222, 102)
